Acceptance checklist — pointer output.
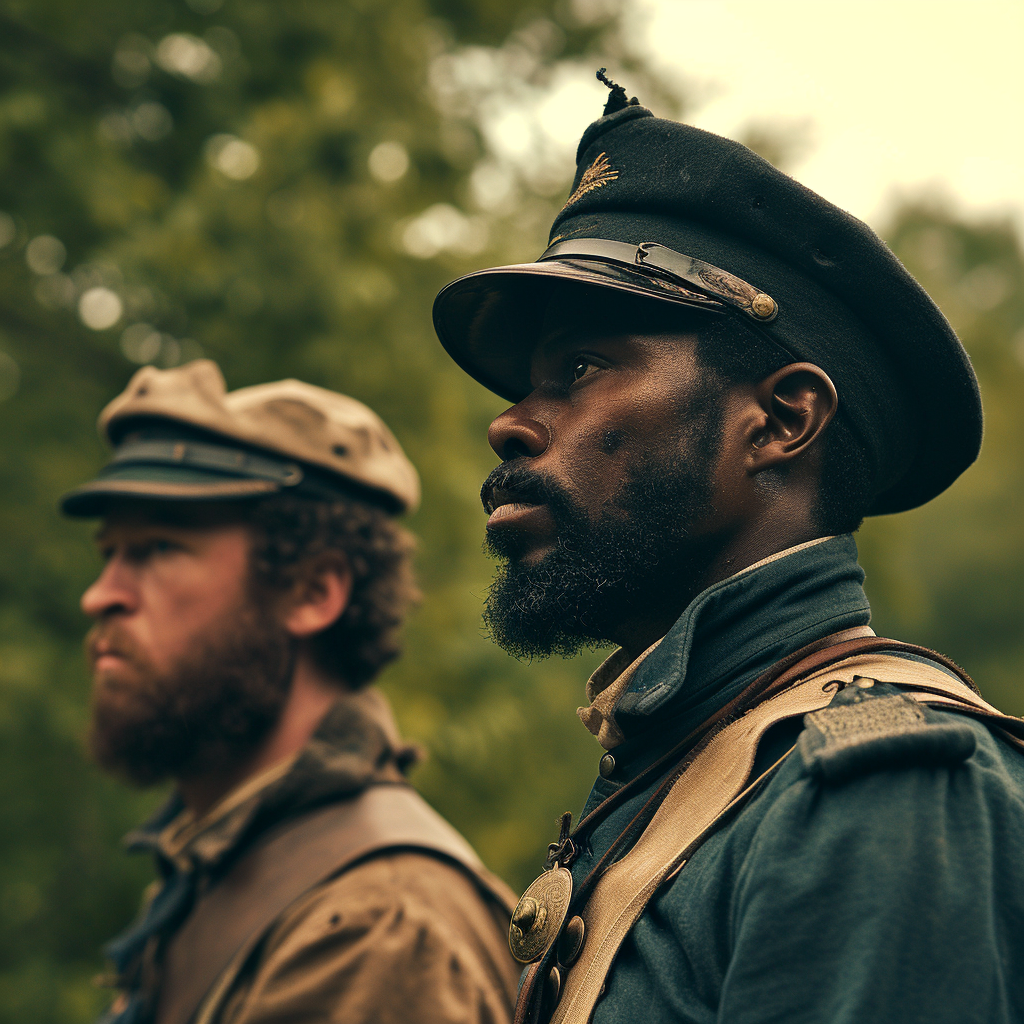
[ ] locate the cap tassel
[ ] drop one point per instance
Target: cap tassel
(617, 100)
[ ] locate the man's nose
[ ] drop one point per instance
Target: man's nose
(111, 592)
(516, 434)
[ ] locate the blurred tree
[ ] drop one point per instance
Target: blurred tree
(284, 187)
(951, 575)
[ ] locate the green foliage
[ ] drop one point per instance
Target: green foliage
(948, 575)
(284, 187)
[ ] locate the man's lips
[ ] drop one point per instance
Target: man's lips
(106, 653)
(512, 511)
(107, 657)
(506, 504)
(509, 507)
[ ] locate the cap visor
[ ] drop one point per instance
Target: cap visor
(488, 321)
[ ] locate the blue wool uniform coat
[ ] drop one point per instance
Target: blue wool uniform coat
(893, 896)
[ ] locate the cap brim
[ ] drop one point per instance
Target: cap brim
(484, 318)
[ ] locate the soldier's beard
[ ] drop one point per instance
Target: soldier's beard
(211, 709)
(637, 554)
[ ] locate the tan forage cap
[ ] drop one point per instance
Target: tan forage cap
(285, 435)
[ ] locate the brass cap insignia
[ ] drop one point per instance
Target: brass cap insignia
(597, 175)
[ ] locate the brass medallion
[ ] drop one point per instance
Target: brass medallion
(538, 919)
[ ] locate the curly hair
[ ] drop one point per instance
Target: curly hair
(292, 533)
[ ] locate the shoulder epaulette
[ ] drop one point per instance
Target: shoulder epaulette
(871, 726)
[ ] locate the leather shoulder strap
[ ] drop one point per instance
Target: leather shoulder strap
(716, 783)
(230, 919)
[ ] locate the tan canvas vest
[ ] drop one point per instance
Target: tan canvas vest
(203, 959)
(715, 783)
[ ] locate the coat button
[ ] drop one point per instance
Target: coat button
(553, 987)
(606, 766)
(571, 941)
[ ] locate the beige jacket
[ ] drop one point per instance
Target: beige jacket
(404, 936)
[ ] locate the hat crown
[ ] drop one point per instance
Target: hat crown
(309, 424)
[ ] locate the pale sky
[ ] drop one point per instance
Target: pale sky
(902, 94)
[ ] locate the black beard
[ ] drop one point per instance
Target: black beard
(210, 711)
(636, 555)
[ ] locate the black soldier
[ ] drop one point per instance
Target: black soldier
(256, 581)
(717, 375)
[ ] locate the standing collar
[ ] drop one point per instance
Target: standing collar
(604, 688)
(728, 635)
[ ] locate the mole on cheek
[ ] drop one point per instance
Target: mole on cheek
(611, 441)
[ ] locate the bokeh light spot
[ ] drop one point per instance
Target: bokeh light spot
(188, 56)
(492, 187)
(233, 157)
(115, 127)
(152, 121)
(140, 343)
(100, 308)
(443, 228)
(131, 65)
(45, 254)
(389, 161)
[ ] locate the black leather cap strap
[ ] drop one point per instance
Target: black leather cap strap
(662, 261)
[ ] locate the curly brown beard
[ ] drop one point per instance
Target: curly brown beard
(209, 711)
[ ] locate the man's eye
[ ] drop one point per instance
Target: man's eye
(580, 367)
(149, 549)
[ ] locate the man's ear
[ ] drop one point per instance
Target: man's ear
(797, 403)
(318, 598)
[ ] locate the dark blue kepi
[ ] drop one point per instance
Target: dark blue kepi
(679, 215)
